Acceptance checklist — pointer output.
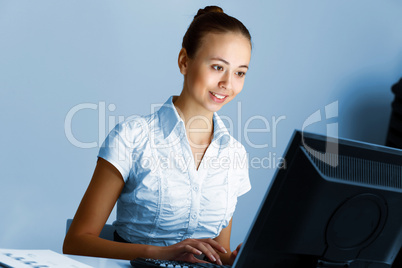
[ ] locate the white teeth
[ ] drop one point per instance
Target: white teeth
(218, 96)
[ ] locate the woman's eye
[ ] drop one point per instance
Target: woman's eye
(217, 67)
(241, 74)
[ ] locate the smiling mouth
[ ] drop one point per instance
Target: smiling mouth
(221, 97)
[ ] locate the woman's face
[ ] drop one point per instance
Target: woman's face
(216, 73)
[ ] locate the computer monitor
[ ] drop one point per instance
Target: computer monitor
(334, 203)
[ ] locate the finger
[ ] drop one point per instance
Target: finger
(205, 248)
(214, 244)
(199, 261)
(236, 251)
(191, 249)
(213, 255)
(188, 257)
(195, 260)
(232, 258)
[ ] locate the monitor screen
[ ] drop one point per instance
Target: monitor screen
(333, 203)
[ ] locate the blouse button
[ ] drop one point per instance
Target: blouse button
(194, 216)
(195, 188)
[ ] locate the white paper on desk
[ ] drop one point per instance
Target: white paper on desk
(18, 258)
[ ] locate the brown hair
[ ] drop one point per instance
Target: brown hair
(210, 19)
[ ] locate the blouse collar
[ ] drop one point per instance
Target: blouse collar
(169, 120)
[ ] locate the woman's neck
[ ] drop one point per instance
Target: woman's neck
(198, 121)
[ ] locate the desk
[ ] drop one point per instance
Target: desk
(101, 262)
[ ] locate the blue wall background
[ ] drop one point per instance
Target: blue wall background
(116, 58)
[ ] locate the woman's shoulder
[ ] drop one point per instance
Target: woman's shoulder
(235, 145)
(227, 139)
(136, 122)
(131, 128)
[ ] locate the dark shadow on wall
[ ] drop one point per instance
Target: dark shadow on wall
(366, 113)
(394, 135)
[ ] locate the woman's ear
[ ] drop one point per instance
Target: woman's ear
(183, 61)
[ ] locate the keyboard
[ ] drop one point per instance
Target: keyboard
(146, 263)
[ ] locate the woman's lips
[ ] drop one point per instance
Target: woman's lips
(217, 97)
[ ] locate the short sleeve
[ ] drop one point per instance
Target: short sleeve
(119, 145)
(241, 170)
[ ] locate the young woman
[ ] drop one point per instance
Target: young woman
(175, 174)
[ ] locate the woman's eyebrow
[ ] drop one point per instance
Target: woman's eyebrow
(226, 62)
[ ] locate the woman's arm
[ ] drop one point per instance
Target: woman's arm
(96, 205)
(224, 239)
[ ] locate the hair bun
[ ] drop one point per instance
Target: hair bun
(208, 9)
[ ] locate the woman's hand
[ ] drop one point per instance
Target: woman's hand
(234, 254)
(186, 249)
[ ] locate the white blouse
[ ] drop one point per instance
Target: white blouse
(165, 198)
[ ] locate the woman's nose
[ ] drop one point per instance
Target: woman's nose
(225, 81)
